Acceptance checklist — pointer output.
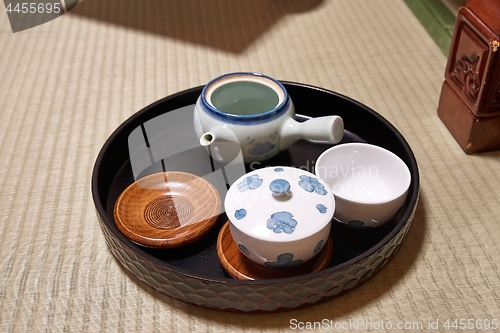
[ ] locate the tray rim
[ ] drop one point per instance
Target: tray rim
(407, 217)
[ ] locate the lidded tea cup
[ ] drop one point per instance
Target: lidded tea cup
(369, 183)
(279, 216)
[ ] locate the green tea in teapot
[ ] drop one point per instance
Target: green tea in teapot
(244, 98)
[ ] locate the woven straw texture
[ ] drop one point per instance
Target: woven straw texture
(67, 84)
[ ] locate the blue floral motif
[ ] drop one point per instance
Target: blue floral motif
(321, 208)
(311, 184)
(243, 249)
(281, 222)
(284, 260)
(318, 246)
(240, 213)
(279, 169)
(250, 183)
(359, 224)
(261, 148)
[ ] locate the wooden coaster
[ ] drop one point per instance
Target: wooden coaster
(242, 268)
(167, 209)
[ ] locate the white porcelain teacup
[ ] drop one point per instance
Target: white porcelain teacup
(255, 112)
(369, 183)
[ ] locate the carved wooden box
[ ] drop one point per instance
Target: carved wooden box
(470, 98)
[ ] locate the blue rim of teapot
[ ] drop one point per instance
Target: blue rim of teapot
(279, 110)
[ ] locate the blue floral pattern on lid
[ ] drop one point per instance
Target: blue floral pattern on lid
(321, 208)
(240, 213)
(250, 183)
(311, 184)
(281, 222)
(279, 169)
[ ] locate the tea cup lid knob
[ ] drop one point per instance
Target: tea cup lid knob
(279, 186)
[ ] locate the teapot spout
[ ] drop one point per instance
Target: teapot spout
(328, 129)
(217, 134)
(222, 143)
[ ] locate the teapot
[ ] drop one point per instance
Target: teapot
(252, 114)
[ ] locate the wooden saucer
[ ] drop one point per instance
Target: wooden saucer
(242, 268)
(167, 209)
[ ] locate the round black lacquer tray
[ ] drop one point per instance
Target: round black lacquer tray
(193, 273)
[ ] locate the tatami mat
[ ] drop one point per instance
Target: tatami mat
(67, 84)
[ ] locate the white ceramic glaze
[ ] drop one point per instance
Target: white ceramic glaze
(369, 183)
(279, 216)
(259, 136)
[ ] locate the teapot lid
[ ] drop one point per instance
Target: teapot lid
(279, 204)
